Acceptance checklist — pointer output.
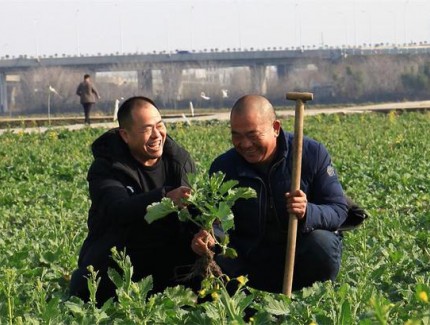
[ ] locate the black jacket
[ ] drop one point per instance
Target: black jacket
(119, 200)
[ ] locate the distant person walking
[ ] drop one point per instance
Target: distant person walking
(89, 94)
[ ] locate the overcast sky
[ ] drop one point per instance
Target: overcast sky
(30, 27)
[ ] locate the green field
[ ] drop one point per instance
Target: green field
(383, 162)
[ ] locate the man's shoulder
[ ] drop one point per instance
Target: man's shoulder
(109, 144)
(227, 155)
(225, 160)
(312, 143)
(175, 151)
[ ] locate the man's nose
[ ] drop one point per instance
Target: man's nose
(155, 132)
(245, 142)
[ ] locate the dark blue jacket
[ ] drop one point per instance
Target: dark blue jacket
(326, 209)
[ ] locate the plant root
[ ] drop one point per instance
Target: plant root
(204, 267)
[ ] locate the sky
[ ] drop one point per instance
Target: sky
(94, 27)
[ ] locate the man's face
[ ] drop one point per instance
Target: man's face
(254, 137)
(147, 134)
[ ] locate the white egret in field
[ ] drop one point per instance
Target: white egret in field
(224, 93)
(52, 90)
(203, 95)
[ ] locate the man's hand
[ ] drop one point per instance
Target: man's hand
(178, 194)
(297, 203)
(202, 242)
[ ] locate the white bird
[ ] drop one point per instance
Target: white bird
(224, 93)
(52, 90)
(203, 95)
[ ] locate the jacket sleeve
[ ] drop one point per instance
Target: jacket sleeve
(116, 204)
(327, 208)
(95, 92)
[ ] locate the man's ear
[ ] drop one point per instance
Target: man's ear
(277, 127)
(124, 135)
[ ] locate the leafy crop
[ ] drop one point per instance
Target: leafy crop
(383, 162)
(213, 199)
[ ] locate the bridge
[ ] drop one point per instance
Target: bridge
(171, 65)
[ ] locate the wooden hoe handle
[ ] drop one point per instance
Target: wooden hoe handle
(300, 98)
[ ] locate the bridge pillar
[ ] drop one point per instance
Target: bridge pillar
(3, 93)
(144, 81)
(172, 80)
(258, 78)
(281, 71)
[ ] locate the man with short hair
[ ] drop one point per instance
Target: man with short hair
(134, 166)
(88, 94)
(262, 159)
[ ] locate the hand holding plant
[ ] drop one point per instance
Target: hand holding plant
(213, 198)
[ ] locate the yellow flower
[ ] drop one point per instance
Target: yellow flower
(214, 296)
(202, 293)
(242, 280)
(313, 323)
(53, 135)
(423, 296)
(392, 116)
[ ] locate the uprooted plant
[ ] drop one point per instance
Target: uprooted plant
(212, 197)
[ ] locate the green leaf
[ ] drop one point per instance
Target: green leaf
(276, 306)
(243, 193)
(226, 186)
(184, 215)
(159, 210)
(197, 317)
(180, 296)
(75, 308)
(345, 313)
(145, 286)
(115, 277)
(225, 216)
(230, 253)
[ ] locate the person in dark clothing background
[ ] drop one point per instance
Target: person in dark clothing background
(135, 165)
(262, 159)
(88, 94)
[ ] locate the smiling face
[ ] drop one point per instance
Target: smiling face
(146, 135)
(254, 130)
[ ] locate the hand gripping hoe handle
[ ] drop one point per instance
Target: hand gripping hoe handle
(300, 99)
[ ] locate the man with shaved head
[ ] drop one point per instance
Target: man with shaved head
(134, 166)
(262, 159)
